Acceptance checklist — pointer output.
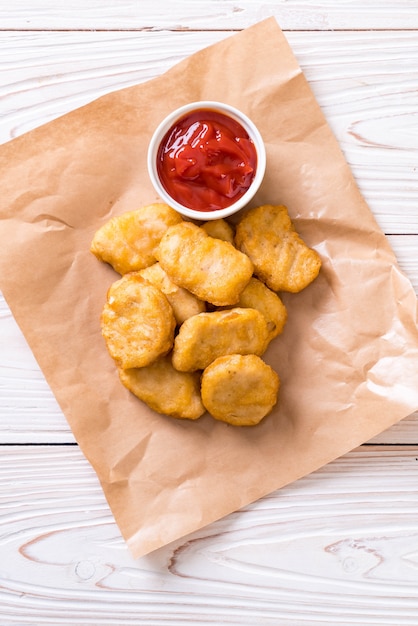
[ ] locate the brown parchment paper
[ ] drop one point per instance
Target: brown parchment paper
(348, 358)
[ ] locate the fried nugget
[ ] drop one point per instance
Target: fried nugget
(239, 389)
(137, 322)
(281, 258)
(219, 229)
(184, 303)
(257, 295)
(166, 390)
(127, 242)
(210, 268)
(204, 337)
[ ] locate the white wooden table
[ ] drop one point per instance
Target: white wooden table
(338, 547)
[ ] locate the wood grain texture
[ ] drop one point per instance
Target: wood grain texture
(336, 547)
(210, 14)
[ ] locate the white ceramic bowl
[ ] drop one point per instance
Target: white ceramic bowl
(165, 126)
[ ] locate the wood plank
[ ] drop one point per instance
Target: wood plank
(364, 82)
(45, 75)
(336, 547)
(404, 432)
(209, 14)
(405, 248)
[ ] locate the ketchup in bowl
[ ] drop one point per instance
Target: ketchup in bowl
(206, 161)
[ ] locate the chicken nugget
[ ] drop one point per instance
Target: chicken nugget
(204, 337)
(281, 258)
(257, 295)
(165, 390)
(127, 242)
(210, 268)
(184, 303)
(220, 229)
(137, 322)
(239, 389)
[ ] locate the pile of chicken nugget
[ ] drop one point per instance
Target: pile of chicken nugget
(197, 306)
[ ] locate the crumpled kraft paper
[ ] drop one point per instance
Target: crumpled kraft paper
(348, 358)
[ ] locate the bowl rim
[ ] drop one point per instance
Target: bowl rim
(235, 114)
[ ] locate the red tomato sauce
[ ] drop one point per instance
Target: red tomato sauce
(206, 161)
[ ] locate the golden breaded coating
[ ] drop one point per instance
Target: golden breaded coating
(204, 337)
(257, 295)
(220, 229)
(127, 242)
(184, 303)
(210, 268)
(166, 390)
(239, 389)
(281, 258)
(137, 322)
